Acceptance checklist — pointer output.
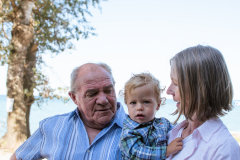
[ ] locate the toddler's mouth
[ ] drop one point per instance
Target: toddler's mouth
(140, 115)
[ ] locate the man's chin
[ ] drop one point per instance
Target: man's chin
(105, 119)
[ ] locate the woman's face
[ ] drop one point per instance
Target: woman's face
(173, 88)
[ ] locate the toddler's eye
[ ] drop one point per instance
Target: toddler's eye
(146, 102)
(132, 103)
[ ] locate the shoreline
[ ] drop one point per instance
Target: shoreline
(236, 135)
(5, 154)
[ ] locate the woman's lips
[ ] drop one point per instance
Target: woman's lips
(178, 103)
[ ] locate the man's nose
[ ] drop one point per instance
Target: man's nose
(102, 99)
(139, 107)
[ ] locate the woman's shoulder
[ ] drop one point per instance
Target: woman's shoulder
(223, 144)
(223, 137)
(218, 138)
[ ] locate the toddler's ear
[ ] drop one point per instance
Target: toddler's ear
(158, 107)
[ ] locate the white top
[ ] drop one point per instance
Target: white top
(210, 141)
(186, 142)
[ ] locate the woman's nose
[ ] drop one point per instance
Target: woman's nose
(169, 90)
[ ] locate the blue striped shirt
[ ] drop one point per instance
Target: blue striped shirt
(64, 137)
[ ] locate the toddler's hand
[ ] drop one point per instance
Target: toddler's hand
(174, 146)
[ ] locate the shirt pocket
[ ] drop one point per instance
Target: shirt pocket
(162, 141)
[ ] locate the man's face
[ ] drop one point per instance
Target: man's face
(95, 97)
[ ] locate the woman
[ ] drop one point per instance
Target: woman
(202, 88)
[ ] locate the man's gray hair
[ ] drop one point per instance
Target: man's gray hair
(74, 75)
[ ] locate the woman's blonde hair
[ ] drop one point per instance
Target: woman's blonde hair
(204, 83)
(138, 80)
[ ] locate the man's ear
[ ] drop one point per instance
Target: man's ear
(73, 96)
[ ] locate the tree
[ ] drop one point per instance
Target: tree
(30, 28)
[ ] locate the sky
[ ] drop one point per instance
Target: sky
(137, 35)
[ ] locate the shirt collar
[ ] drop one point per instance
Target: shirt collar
(120, 115)
(129, 123)
(176, 129)
(73, 114)
(118, 118)
(208, 128)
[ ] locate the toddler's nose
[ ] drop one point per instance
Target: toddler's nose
(139, 107)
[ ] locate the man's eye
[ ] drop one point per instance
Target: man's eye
(91, 94)
(108, 91)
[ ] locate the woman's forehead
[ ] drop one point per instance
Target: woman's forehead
(173, 72)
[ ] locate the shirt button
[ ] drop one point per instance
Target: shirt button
(88, 151)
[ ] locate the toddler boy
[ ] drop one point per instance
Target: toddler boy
(144, 136)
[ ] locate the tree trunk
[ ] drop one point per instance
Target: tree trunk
(22, 38)
(29, 80)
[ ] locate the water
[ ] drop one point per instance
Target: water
(231, 120)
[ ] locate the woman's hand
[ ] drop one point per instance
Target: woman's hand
(174, 146)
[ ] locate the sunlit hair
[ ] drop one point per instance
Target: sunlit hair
(204, 83)
(138, 80)
(74, 74)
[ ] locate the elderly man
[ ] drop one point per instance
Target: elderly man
(90, 132)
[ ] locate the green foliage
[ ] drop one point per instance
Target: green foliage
(45, 91)
(56, 23)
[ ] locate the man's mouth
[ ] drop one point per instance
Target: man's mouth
(102, 110)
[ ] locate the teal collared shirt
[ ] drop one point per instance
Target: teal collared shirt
(64, 137)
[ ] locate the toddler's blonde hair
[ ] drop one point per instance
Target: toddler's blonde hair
(138, 80)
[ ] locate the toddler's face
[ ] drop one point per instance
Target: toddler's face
(142, 104)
